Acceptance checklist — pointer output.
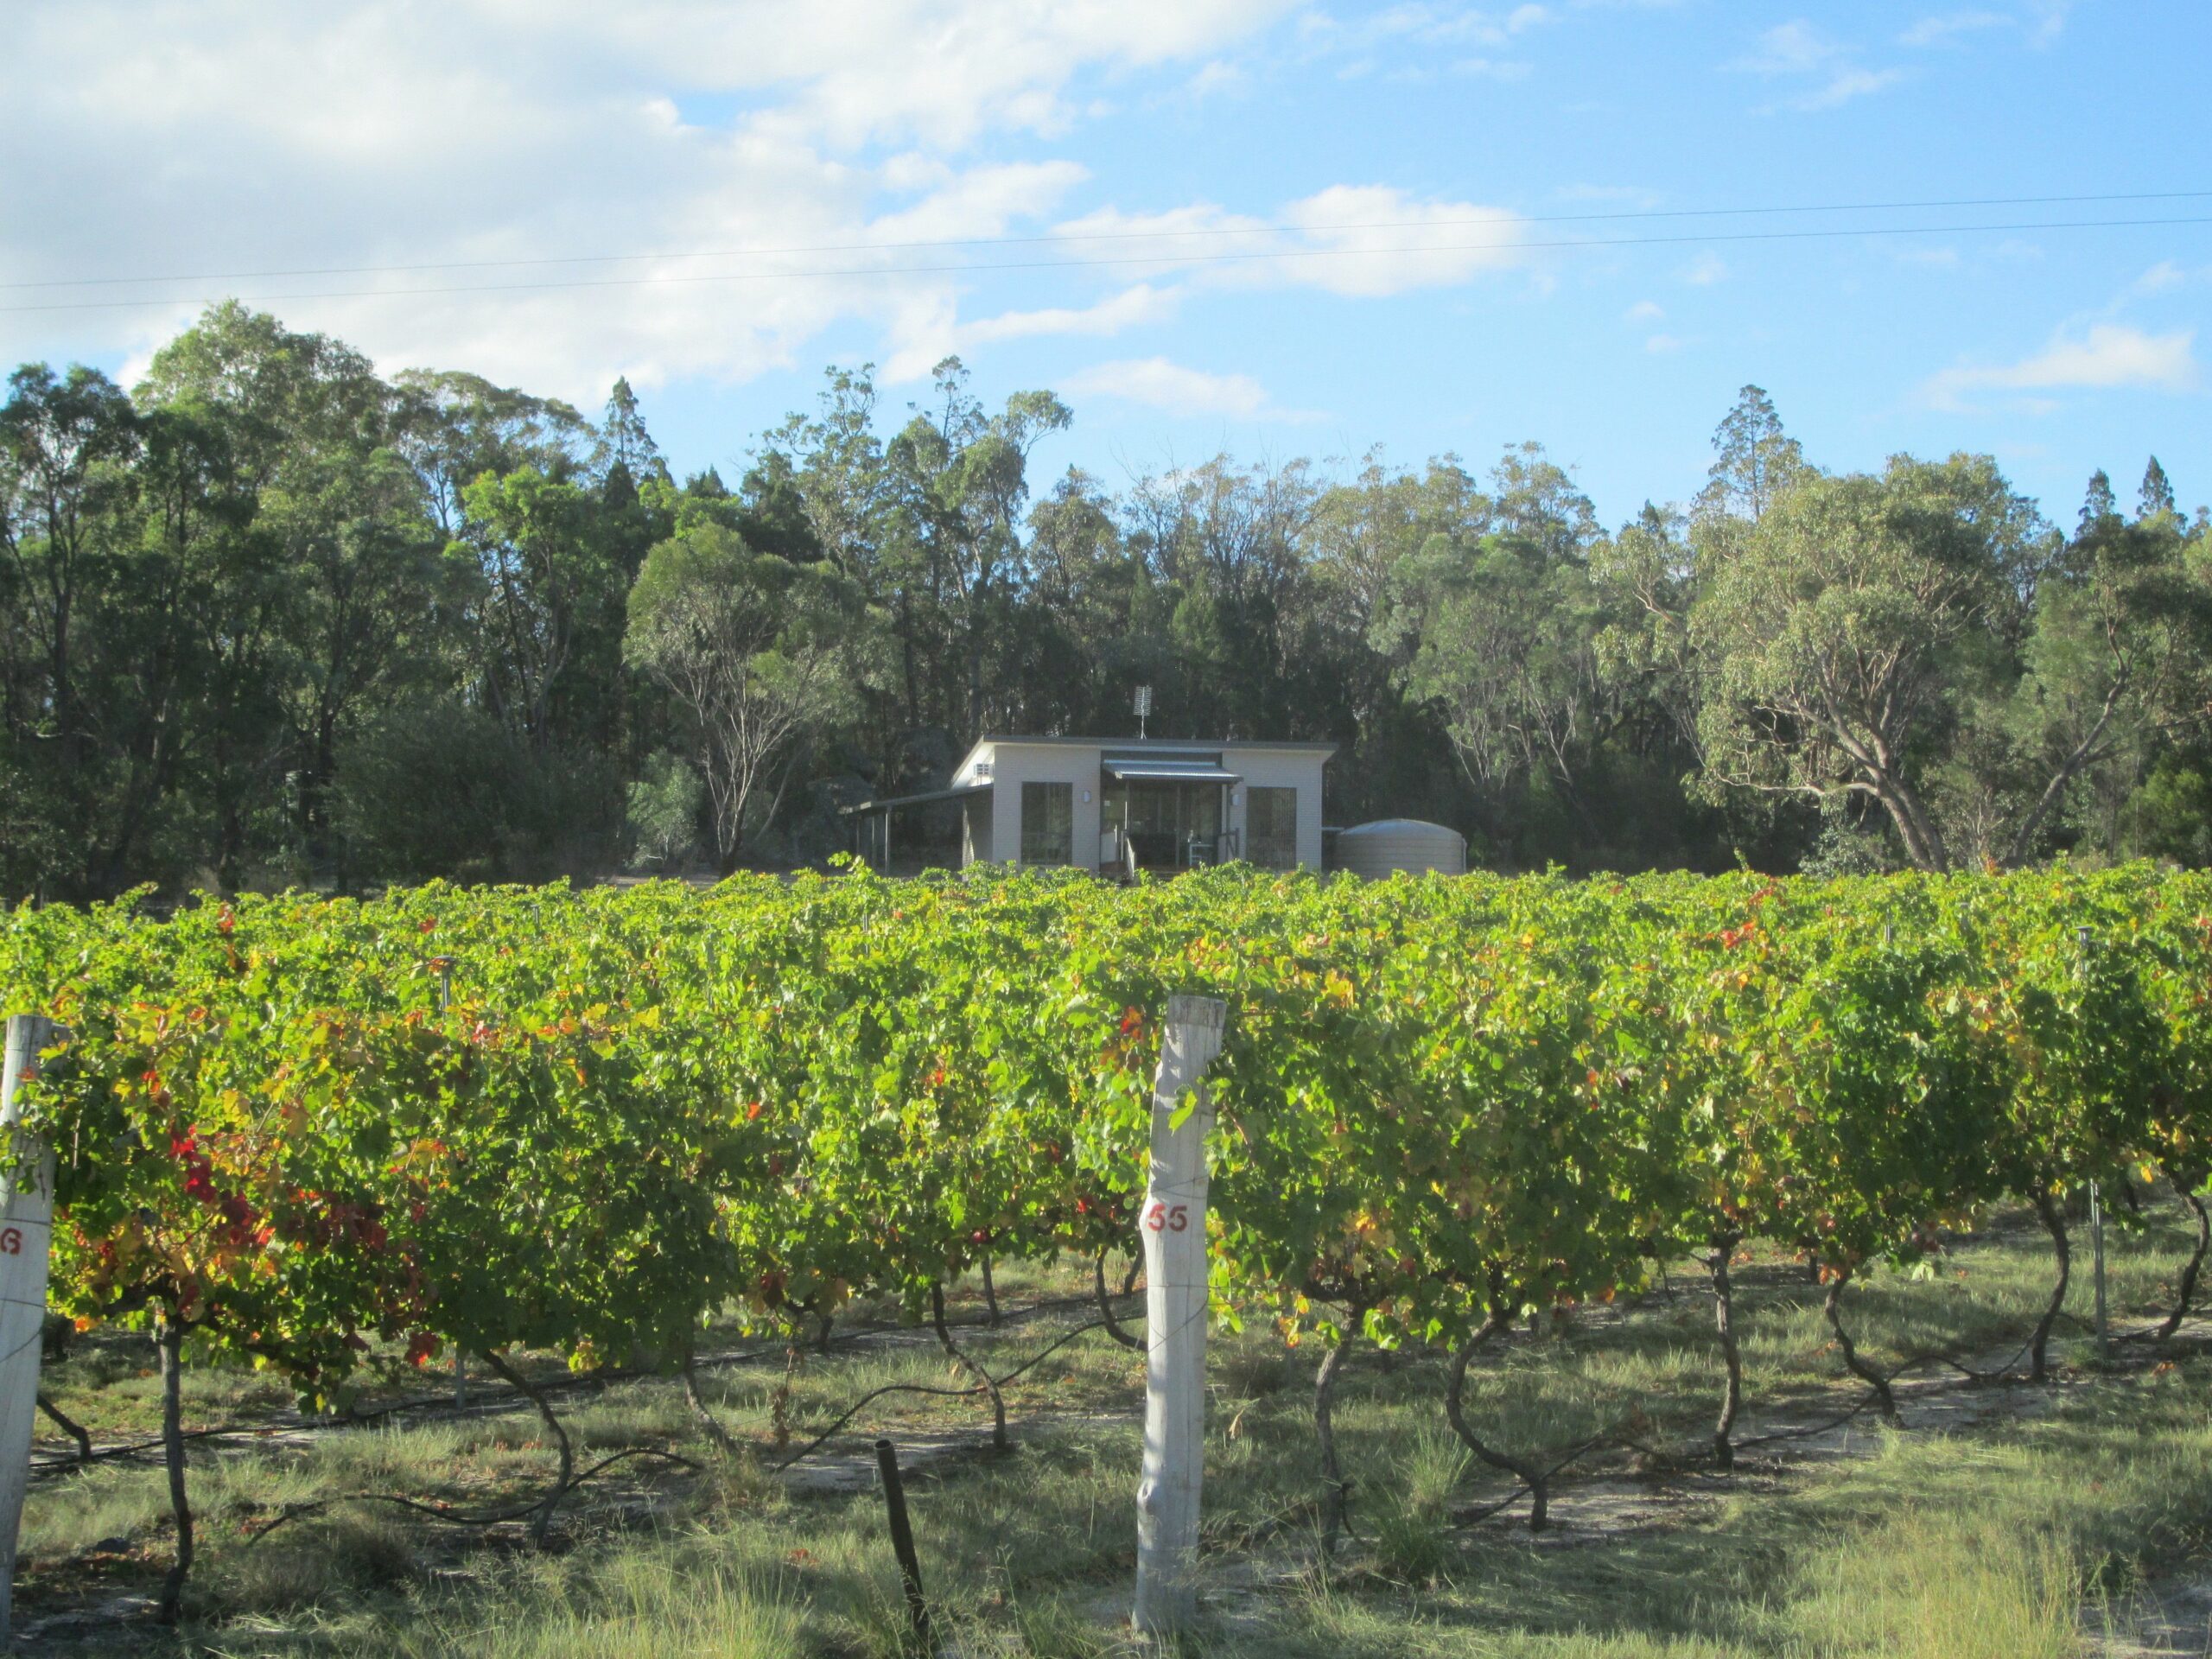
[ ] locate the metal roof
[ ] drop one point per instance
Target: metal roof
(922, 799)
(1144, 746)
(1159, 743)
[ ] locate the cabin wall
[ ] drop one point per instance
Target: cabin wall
(1281, 769)
(1014, 765)
(975, 828)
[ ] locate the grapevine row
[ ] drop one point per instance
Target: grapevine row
(589, 1121)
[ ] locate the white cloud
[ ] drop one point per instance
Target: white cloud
(2049, 22)
(1365, 241)
(1944, 28)
(177, 136)
(1158, 383)
(1705, 270)
(929, 338)
(1426, 243)
(1645, 311)
(2161, 278)
(1434, 25)
(1218, 75)
(1797, 51)
(2039, 21)
(1661, 345)
(1847, 84)
(2108, 356)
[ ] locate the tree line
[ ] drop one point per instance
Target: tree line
(270, 618)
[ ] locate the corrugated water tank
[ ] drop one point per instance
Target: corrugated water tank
(1377, 849)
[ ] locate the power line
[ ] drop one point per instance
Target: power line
(1079, 238)
(1127, 259)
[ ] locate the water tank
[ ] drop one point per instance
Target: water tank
(1377, 849)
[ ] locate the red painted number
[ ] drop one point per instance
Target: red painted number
(1161, 1219)
(11, 1241)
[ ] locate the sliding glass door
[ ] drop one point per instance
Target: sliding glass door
(1162, 820)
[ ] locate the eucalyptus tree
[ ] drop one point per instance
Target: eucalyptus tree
(69, 443)
(1840, 637)
(1227, 544)
(960, 474)
(2117, 668)
(319, 590)
(753, 648)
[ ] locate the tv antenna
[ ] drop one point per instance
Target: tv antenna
(1143, 708)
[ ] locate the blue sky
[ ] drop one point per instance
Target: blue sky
(1393, 178)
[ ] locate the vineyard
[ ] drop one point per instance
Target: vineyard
(321, 1139)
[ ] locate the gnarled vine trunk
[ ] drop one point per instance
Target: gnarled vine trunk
(2039, 1345)
(1106, 1314)
(1731, 1356)
(983, 1378)
(1336, 1491)
(170, 1341)
(1528, 1474)
(541, 1525)
(2187, 1290)
(717, 1436)
(1831, 1305)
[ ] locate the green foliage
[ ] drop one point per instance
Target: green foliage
(1441, 1103)
(664, 811)
(235, 599)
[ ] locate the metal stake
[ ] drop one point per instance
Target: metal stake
(2097, 1253)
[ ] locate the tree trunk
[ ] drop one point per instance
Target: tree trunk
(1454, 1408)
(1832, 1306)
(514, 1378)
(1336, 1491)
(2039, 1345)
(1731, 1357)
(170, 1341)
(1106, 1306)
(989, 1384)
(1130, 1279)
(990, 1293)
(2188, 1288)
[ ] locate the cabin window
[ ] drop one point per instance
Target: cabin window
(1048, 824)
(1271, 828)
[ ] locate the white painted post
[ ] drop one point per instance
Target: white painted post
(1172, 1226)
(26, 1225)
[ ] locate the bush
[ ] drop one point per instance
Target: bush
(437, 788)
(664, 811)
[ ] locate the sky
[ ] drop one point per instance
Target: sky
(1259, 226)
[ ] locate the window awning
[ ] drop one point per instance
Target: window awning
(1169, 771)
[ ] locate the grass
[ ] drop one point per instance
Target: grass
(2004, 1521)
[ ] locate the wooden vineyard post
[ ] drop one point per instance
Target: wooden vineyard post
(2085, 939)
(26, 1225)
(1171, 1227)
(444, 965)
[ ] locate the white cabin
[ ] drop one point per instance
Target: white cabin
(1113, 805)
